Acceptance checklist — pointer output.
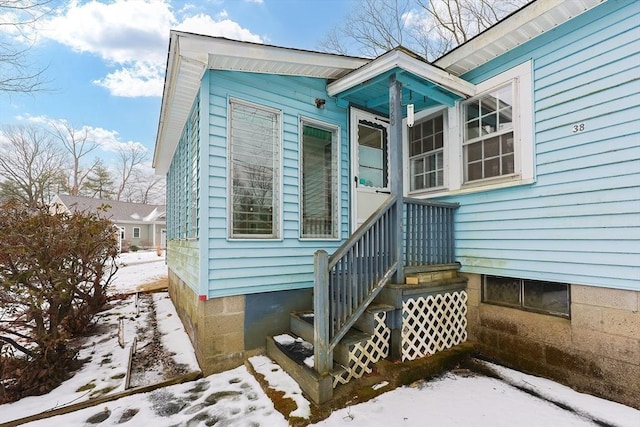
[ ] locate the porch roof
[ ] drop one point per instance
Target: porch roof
(423, 84)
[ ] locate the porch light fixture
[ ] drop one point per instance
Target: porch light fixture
(410, 117)
(320, 102)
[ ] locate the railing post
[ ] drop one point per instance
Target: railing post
(322, 357)
(396, 169)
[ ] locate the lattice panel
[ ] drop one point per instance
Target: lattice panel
(363, 356)
(433, 324)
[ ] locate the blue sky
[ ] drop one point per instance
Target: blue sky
(106, 59)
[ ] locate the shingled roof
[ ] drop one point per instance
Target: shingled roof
(116, 211)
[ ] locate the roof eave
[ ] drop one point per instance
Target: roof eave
(194, 53)
(399, 59)
(480, 50)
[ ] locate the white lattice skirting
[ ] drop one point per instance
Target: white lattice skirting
(363, 356)
(433, 323)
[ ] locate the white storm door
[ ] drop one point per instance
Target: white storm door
(370, 164)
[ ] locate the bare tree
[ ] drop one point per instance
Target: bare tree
(130, 156)
(31, 164)
(429, 27)
(78, 144)
(17, 22)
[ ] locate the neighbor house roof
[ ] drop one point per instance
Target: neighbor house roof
(117, 211)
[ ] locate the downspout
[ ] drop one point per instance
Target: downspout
(395, 168)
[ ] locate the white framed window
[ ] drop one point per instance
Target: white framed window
(254, 167)
(319, 198)
(487, 142)
(136, 232)
(426, 153)
(488, 134)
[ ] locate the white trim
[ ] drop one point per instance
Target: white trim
(424, 114)
(336, 145)
(523, 118)
(530, 21)
(398, 59)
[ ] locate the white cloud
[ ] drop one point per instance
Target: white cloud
(108, 140)
(204, 24)
(132, 38)
(254, 1)
(138, 79)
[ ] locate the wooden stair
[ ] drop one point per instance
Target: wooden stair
(293, 351)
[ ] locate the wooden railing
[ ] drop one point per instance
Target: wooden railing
(428, 232)
(349, 280)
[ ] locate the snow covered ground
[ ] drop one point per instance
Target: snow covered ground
(235, 398)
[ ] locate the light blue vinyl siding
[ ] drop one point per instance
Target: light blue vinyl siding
(580, 221)
(247, 266)
(182, 203)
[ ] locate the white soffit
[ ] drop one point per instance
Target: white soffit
(399, 59)
(524, 25)
(191, 54)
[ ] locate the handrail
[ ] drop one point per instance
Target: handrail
(348, 281)
(416, 233)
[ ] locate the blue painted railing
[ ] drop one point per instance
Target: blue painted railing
(428, 233)
(349, 280)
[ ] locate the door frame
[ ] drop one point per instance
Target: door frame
(355, 116)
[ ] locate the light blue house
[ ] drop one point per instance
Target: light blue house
(503, 179)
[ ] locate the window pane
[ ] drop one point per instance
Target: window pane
(254, 167)
(426, 154)
(488, 124)
(372, 154)
(492, 167)
(319, 191)
(547, 296)
(491, 147)
(474, 151)
(502, 290)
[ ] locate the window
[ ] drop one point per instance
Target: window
(426, 141)
(254, 156)
(372, 155)
(488, 135)
(121, 233)
(533, 295)
(319, 181)
(136, 232)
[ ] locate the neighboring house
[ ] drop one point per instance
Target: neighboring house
(524, 140)
(139, 224)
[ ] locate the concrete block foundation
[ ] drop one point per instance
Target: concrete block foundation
(596, 351)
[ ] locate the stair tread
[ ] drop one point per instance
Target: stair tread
(295, 347)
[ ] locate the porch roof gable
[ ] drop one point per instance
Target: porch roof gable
(368, 85)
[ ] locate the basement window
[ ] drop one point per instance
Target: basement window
(532, 295)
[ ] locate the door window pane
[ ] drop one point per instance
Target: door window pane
(372, 155)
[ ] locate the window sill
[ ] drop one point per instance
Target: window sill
(476, 187)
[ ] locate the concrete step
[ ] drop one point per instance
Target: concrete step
(292, 355)
(302, 326)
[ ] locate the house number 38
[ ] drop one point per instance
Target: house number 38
(578, 127)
